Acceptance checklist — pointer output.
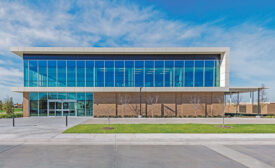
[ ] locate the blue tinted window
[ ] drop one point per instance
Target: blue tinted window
(89, 104)
(26, 73)
(43, 104)
(209, 73)
(159, 72)
(89, 73)
(33, 104)
(42, 76)
(109, 74)
(179, 73)
(169, 73)
(217, 73)
(81, 104)
(52, 96)
(149, 73)
(129, 73)
(119, 73)
(61, 75)
(62, 96)
(139, 73)
(33, 72)
(199, 68)
(71, 74)
(51, 73)
(189, 73)
(80, 73)
(99, 73)
(71, 96)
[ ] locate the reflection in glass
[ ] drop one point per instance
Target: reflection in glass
(159, 73)
(109, 74)
(149, 73)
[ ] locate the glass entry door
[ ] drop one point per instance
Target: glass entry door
(61, 108)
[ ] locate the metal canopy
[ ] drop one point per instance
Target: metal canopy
(245, 89)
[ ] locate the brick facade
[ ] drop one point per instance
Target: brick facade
(26, 104)
(158, 104)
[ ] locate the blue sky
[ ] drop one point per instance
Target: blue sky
(247, 27)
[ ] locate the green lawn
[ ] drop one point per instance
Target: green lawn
(172, 128)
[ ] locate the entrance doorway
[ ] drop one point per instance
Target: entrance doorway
(61, 108)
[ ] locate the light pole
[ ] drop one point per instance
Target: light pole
(140, 114)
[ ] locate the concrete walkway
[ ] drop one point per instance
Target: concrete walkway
(47, 130)
(180, 120)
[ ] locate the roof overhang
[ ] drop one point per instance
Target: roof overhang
(245, 89)
(20, 51)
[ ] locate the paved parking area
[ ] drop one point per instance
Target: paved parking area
(125, 156)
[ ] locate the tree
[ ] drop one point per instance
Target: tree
(124, 99)
(152, 100)
(196, 104)
(1, 105)
(8, 105)
(222, 103)
(263, 97)
(236, 99)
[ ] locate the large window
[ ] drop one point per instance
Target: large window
(99, 74)
(149, 73)
(209, 73)
(199, 70)
(122, 72)
(61, 71)
(129, 73)
(189, 74)
(26, 73)
(169, 73)
(42, 75)
(109, 74)
(71, 73)
(33, 73)
(90, 73)
(179, 73)
(119, 73)
(80, 73)
(51, 73)
(159, 73)
(61, 104)
(139, 73)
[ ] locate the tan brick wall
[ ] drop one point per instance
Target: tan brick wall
(267, 108)
(271, 108)
(167, 104)
(26, 104)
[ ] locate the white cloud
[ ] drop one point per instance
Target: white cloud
(113, 23)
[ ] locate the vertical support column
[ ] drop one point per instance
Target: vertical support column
(26, 104)
(259, 107)
(230, 99)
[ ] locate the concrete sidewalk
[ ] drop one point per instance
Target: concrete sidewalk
(47, 130)
(180, 120)
(143, 139)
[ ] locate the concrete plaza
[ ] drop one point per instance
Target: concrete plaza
(39, 142)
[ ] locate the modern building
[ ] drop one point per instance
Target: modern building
(124, 82)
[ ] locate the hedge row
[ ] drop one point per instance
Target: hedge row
(16, 115)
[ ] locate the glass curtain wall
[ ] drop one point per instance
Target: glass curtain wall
(121, 73)
(58, 104)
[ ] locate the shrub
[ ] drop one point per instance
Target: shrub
(1, 105)
(16, 115)
(8, 105)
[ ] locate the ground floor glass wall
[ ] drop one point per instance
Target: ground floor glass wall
(61, 104)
